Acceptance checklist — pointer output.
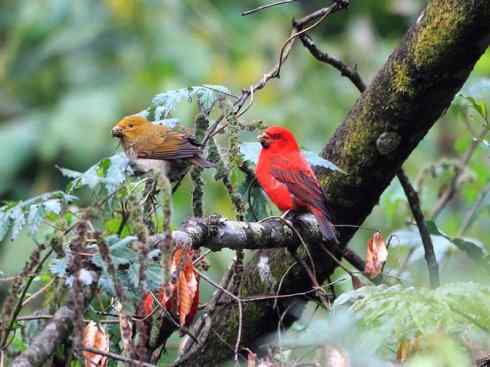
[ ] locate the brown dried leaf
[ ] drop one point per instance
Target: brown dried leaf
(94, 337)
(187, 289)
(181, 297)
(251, 359)
(377, 254)
(407, 348)
(126, 329)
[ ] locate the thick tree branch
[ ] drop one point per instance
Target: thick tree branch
(407, 96)
(412, 195)
(217, 233)
(54, 333)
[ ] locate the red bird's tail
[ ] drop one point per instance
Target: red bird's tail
(326, 227)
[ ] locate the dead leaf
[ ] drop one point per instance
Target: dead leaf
(251, 359)
(125, 327)
(356, 282)
(377, 254)
(181, 296)
(94, 337)
(408, 348)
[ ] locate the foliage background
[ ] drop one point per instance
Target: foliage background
(70, 70)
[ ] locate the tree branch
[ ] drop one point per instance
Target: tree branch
(217, 233)
(412, 195)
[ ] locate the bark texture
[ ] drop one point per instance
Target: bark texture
(56, 331)
(407, 96)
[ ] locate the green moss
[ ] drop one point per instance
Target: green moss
(402, 82)
(440, 29)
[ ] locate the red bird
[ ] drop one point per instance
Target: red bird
(288, 179)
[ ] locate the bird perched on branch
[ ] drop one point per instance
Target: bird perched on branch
(288, 179)
(158, 147)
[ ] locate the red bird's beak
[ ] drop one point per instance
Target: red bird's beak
(264, 140)
(117, 132)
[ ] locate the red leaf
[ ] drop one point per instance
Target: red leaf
(148, 304)
(376, 255)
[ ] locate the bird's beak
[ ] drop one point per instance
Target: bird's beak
(117, 132)
(263, 140)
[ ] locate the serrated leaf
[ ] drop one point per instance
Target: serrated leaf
(399, 313)
(206, 96)
(15, 216)
(251, 151)
(109, 173)
(120, 251)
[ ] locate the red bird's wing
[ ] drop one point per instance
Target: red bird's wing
(300, 180)
(295, 173)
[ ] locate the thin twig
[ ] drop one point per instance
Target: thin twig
(118, 357)
(468, 220)
(266, 6)
(414, 202)
(299, 28)
(240, 309)
(448, 194)
(344, 69)
(38, 293)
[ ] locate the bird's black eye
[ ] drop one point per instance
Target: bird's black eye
(130, 125)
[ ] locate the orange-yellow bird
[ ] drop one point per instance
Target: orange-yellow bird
(154, 146)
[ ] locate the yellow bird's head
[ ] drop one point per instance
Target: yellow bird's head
(131, 127)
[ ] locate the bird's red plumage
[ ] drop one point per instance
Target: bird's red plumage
(288, 180)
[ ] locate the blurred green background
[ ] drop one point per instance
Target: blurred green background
(70, 69)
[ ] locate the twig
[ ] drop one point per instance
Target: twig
(266, 6)
(240, 309)
(300, 27)
(38, 293)
(118, 357)
(414, 202)
(448, 194)
(344, 69)
(18, 307)
(468, 220)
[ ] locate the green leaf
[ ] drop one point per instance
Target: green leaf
(15, 216)
(251, 191)
(402, 313)
(205, 95)
(120, 250)
(474, 250)
(250, 152)
(109, 174)
(479, 106)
